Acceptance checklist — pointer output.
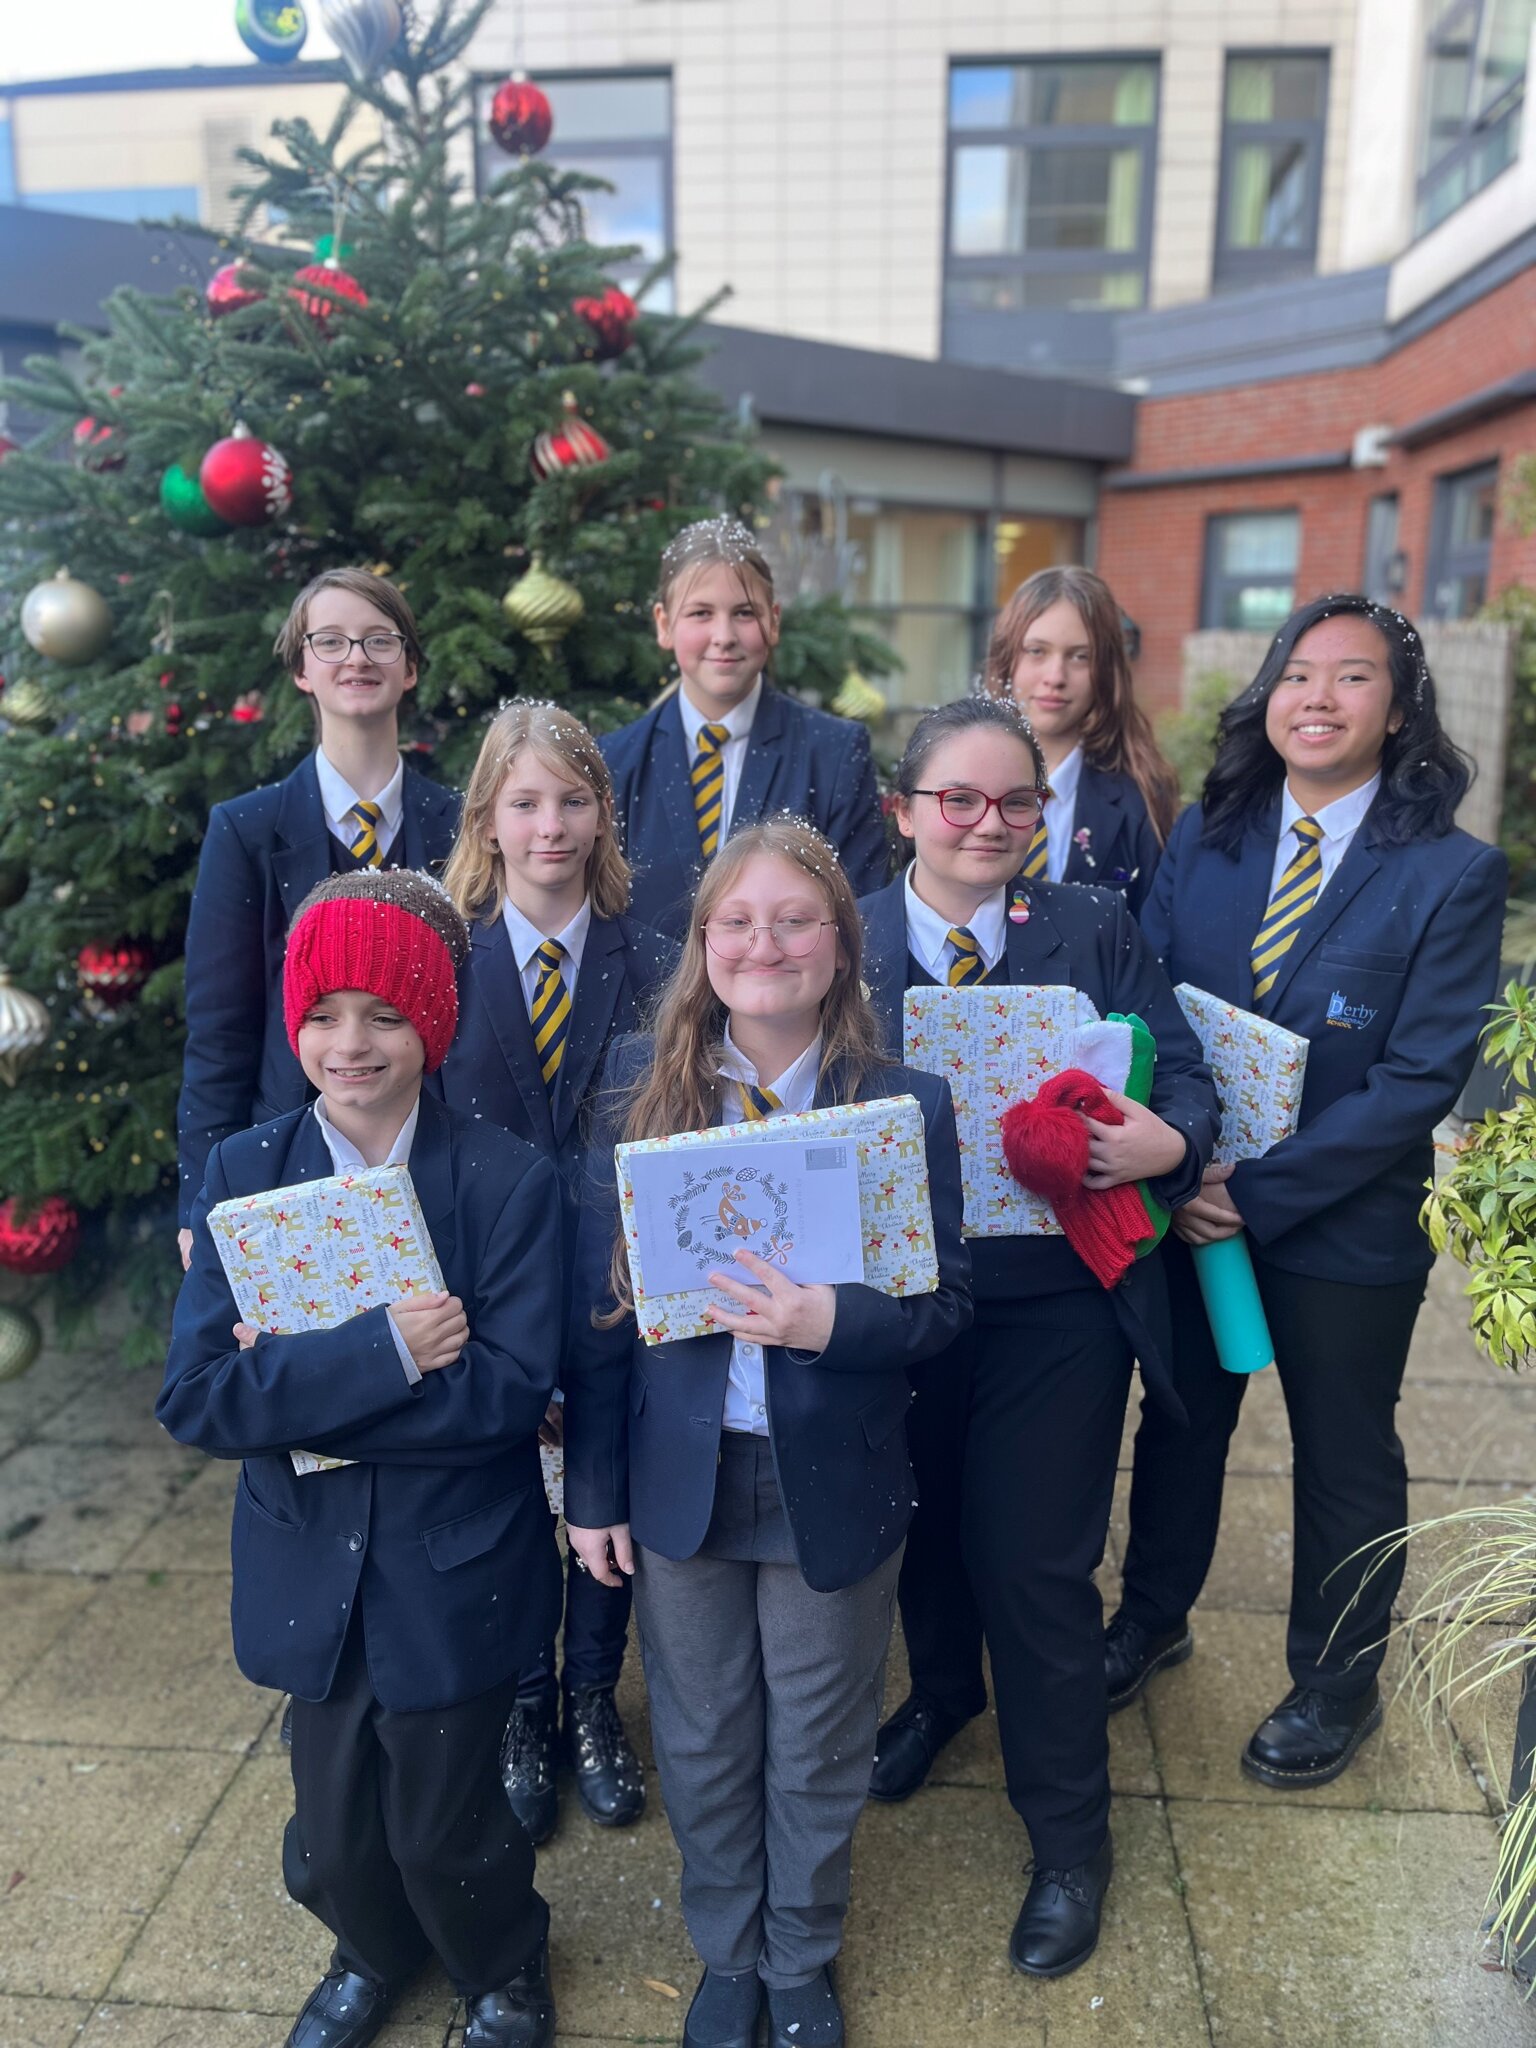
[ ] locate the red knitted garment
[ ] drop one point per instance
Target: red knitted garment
(382, 949)
(1046, 1145)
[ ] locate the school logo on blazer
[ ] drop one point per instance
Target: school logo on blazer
(1348, 1016)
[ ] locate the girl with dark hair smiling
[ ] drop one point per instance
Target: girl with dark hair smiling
(1321, 882)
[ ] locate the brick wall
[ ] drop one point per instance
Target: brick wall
(1152, 542)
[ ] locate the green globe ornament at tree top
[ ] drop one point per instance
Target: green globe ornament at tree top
(273, 30)
(66, 620)
(21, 1339)
(182, 501)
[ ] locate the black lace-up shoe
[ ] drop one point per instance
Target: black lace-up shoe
(725, 2010)
(343, 2011)
(528, 1757)
(1310, 1738)
(907, 1747)
(1058, 1923)
(520, 2015)
(1132, 1656)
(610, 1782)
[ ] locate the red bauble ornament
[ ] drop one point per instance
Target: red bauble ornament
(230, 289)
(612, 321)
(521, 118)
(246, 481)
(91, 440)
(42, 1243)
(571, 447)
(247, 708)
(114, 972)
(7, 446)
(328, 283)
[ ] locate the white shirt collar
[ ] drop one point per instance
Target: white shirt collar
(345, 1156)
(527, 938)
(928, 932)
(1336, 820)
(338, 796)
(1064, 779)
(737, 723)
(795, 1087)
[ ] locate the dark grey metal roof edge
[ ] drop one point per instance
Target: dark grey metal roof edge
(1226, 472)
(57, 268)
(1256, 336)
(862, 391)
(1475, 284)
(1485, 404)
(181, 78)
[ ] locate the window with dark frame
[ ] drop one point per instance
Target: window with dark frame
(1250, 570)
(1383, 577)
(1275, 108)
(1473, 100)
(616, 126)
(1461, 542)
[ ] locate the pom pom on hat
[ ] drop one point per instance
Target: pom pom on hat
(390, 932)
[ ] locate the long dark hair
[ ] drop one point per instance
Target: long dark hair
(965, 714)
(1424, 774)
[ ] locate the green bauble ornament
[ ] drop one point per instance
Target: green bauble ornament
(21, 1339)
(329, 250)
(183, 503)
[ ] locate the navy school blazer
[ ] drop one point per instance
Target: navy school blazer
(492, 1070)
(642, 1425)
(798, 759)
(1386, 980)
(441, 1528)
(1122, 852)
(262, 854)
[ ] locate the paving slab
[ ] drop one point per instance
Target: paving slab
(936, 1888)
(96, 1836)
(1453, 1435)
(1262, 1440)
(614, 1922)
(40, 2022)
(164, 2026)
(1442, 1347)
(74, 1508)
(147, 1666)
(1203, 1712)
(53, 1382)
(118, 1408)
(1320, 1928)
(1428, 1499)
(37, 1608)
(192, 1535)
(1254, 1546)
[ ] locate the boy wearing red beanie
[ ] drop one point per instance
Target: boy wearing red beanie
(396, 1597)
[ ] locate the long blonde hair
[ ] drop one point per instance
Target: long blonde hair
(680, 1088)
(476, 875)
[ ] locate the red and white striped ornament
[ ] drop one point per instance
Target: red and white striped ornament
(570, 447)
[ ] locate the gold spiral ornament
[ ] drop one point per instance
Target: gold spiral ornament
(543, 607)
(858, 698)
(28, 705)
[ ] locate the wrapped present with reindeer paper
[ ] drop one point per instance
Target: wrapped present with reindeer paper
(995, 1046)
(827, 1195)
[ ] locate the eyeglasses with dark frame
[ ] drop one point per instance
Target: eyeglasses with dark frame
(1019, 809)
(732, 938)
(333, 647)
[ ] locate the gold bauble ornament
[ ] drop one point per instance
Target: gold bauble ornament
(21, 1339)
(24, 1028)
(29, 705)
(858, 698)
(543, 607)
(66, 620)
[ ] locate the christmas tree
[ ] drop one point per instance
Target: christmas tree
(445, 388)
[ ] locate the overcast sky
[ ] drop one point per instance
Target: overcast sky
(73, 38)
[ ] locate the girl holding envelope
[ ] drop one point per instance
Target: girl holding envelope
(755, 1483)
(1015, 1430)
(1321, 882)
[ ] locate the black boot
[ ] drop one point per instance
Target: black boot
(1132, 1656)
(343, 2011)
(520, 2015)
(609, 1780)
(1310, 1737)
(907, 1746)
(1058, 1923)
(528, 1766)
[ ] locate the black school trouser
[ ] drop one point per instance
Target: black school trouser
(402, 1841)
(1015, 1434)
(596, 1631)
(1340, 1351)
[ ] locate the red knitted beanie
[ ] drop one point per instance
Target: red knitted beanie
(389, 932)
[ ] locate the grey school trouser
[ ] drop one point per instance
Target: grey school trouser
(765, 1701)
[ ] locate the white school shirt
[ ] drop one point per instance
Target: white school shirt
(1339, 822)
(746, 1396)
(346, 1158)
(337, 797)
(527, 939)
(738, 726)
(928, 932)
(1061, 814)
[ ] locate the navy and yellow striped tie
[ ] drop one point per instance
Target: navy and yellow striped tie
(1039, 848)
(551, 1011)
(708, 775)
(1294, 895)
(967, 967)
(365, 846)
(757, 1103)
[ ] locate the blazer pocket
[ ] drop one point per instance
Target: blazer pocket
(1362, 960)
(472, 1535)
(882, 1416)
(259, 1508)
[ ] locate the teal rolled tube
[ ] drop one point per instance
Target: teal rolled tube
(1232, 1304)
